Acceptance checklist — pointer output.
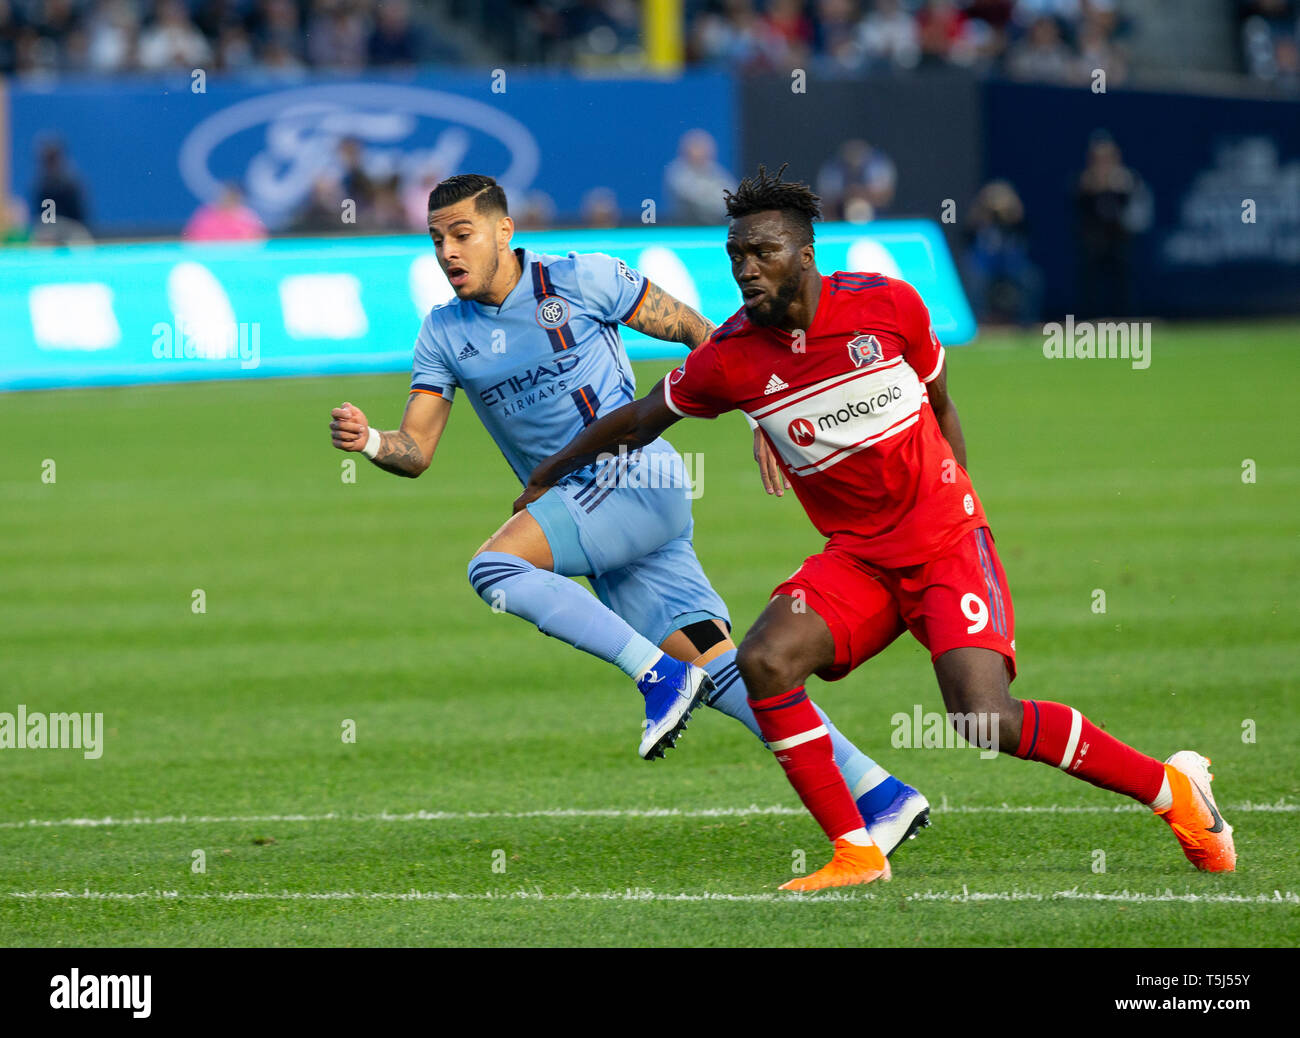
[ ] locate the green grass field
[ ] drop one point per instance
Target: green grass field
(493, 795)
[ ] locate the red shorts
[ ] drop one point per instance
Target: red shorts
(955, 601)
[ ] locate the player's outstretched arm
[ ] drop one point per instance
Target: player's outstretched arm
(404, 452)
(666, 317)
(946, 412)
(632, 425)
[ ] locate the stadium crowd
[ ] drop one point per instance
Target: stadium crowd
(51, 37)
(1047, 40)
(1058, 40)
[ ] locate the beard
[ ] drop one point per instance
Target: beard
(486, 288)
(774, 309)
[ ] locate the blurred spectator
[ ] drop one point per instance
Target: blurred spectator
(1287, 61)
(35, 56)
(13, 222)
(1097, 50)
(336, 35)
(323, 210)
(1107, 197)
(276, 26)
(9, 31)
(537, 212)
(393, 41)
(356, 182)
(858, 183)
(1041, 55)
(53, 19)
(732, 36)
(58, 194)
(1270, 31)
(415, 198)
(695, 181)
(835, 29)
(889, 35)
(386, 212)
(234, 49)
(941, 27)
(1004, 284)
(114, 35)
(172, 41)
(226, 219)
(786, 32)
(600, 208)
(278, 60)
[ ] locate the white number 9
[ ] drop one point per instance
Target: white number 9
(974, 609)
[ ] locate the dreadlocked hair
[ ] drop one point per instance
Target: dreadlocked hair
(765, 193)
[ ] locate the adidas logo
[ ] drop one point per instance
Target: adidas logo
(774, 385)
(467, 352)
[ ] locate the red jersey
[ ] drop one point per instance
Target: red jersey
(846, 411)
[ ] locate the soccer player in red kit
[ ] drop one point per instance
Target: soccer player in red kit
(846, 378)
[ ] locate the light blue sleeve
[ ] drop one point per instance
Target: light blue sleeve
(431, 372)
(609, 286)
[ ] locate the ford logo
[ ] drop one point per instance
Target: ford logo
(403, 130)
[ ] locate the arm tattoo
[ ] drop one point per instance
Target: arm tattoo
(399, 454)
(663, 317)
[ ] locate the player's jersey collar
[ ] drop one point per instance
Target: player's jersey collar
(818, 319)
(522, 290)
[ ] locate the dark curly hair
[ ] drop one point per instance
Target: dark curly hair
(764, 193)
(491, 197)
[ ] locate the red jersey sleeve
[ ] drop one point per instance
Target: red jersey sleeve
(923, 351)
(699, 388)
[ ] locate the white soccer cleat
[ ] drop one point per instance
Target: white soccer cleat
(672, 691)
(906, 815)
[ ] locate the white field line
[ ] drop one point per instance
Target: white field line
(965, 895)
(609, 812)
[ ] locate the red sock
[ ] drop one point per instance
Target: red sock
(1059, 735)
(794, 731)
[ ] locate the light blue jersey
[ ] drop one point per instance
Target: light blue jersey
(544, 363)
(537, 369)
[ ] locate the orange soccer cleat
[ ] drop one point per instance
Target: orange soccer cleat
(849, 864)
(1205, 837)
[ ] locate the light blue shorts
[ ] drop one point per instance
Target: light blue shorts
(629, 532)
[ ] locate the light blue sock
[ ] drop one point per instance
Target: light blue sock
(867, 780)
(561, 609)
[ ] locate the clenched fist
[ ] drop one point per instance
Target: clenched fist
(349, 429)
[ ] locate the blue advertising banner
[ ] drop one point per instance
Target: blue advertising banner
(150, 151)
(122, 314)
(1208, 219)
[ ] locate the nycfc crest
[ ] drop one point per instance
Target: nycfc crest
(552, 312)
(865, 349)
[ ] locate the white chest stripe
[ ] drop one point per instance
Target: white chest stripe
(819, 426)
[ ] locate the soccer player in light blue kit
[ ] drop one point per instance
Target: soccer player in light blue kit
(532, 341)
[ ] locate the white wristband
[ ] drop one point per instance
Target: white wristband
(372, 443)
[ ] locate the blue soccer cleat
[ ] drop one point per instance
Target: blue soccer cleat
(672, 690)
(900, 820)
